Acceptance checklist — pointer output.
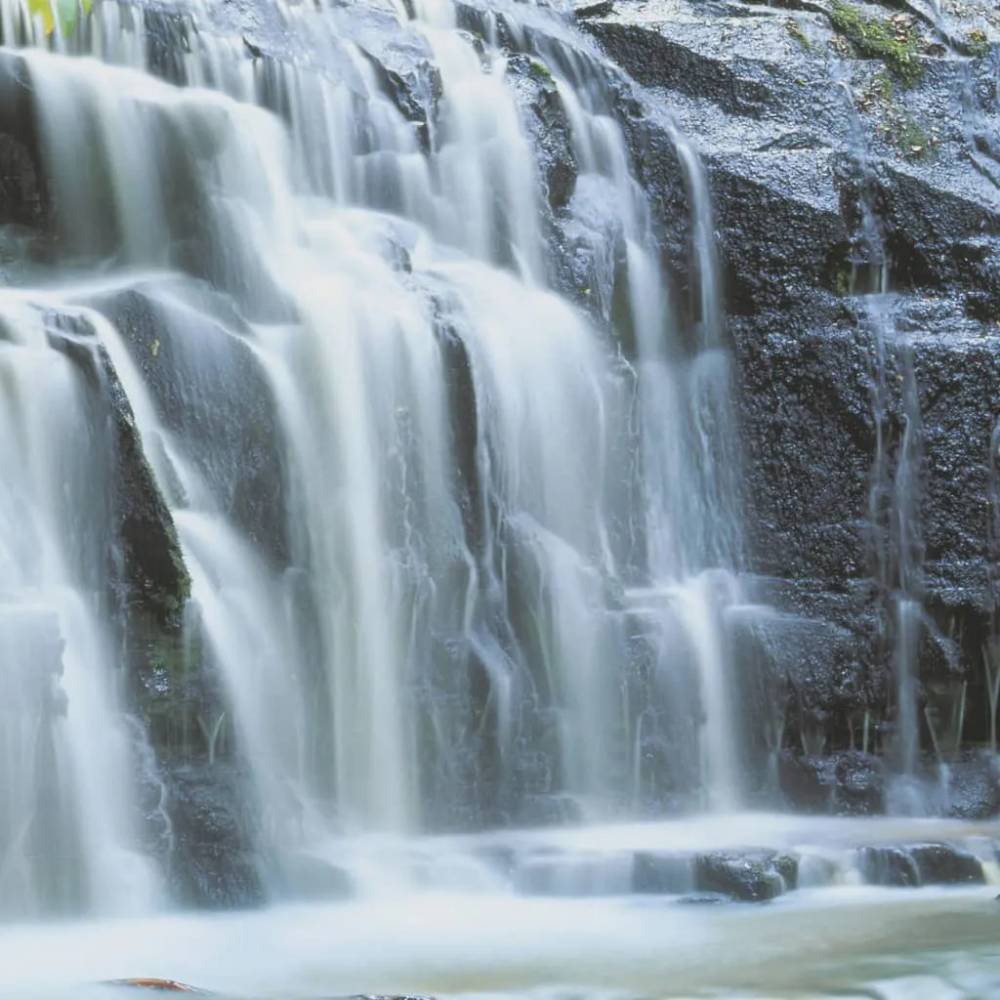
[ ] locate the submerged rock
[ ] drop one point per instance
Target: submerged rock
(663, 873)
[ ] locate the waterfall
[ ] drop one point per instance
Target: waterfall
(463, 551)
(65, 808)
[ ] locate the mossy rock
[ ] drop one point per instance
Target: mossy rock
(874, 38)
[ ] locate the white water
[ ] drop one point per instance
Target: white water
(458, 938)
(65, 801)
(403, 551)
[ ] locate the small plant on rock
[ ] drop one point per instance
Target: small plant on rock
(913, 140)
(978, 44)
(795, 30)
(540, 71)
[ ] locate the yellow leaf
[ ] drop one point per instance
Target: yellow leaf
(42, 9)
(68, 12)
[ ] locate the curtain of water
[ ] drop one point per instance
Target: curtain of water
(451, 635)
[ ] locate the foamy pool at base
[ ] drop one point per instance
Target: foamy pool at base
(863, 942)
(481, 940)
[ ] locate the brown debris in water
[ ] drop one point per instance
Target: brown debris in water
(164, 985)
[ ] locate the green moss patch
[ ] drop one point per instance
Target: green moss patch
(893, 41)
(978, 44)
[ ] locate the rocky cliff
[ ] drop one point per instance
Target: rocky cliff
(851, 149)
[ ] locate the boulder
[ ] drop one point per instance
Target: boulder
(942, 864)
(751, 876)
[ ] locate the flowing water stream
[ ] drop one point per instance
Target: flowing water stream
(463, 550)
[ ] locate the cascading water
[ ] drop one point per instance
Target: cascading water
(446, 632)
(65, 809)
(679, 584)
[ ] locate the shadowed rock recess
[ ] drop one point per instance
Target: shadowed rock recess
(837, 195)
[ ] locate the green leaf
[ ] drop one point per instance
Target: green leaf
(68, 12)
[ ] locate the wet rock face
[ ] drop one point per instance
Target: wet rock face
(889, 866)
(845, 784)
(211, 865)
(210, 390)
(747, 877)
(813, 142)
(24, 202)
(545, 118)
(147, 571)
(974, 787)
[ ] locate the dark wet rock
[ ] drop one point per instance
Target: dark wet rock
(22, 199)
(411, 81)
(26, 234)
(942, 864)
(848, 783)
(600, 8)
(974, 787)
(22, 192)
(211, 392)
(799, 134)
(210, 808)
(153, 565)
(197, 812)
(545, 118)
(147, 569)
(169, 35)
(751, 876)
